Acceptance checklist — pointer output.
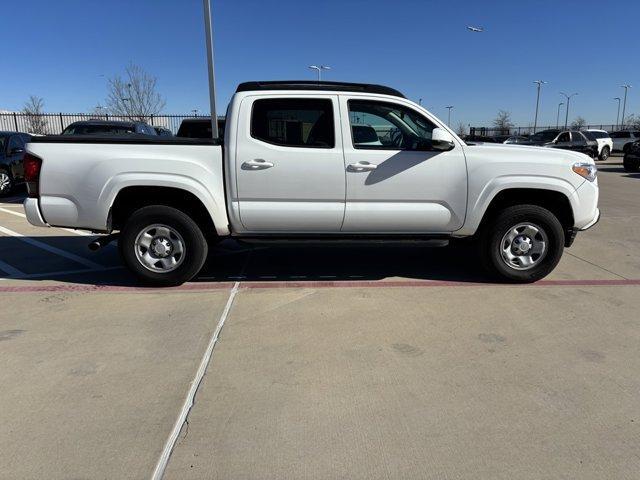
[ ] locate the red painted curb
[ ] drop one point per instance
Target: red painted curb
(202, 286)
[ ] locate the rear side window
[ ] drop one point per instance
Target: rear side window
(621, 135)
(294, 122)
(564, 137)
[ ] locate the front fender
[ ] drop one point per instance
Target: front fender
(478, 204)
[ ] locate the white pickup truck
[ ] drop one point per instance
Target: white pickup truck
(315, 161)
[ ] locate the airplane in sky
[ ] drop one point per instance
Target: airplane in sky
(475, 29)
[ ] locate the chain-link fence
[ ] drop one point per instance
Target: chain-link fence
(55, 123)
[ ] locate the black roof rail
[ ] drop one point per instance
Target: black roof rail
(313, 85)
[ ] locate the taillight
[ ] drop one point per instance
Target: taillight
(32, 166)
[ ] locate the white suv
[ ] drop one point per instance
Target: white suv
(605, 143)
(623, 139)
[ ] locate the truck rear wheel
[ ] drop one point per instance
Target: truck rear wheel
(162, 246)
(522, 244)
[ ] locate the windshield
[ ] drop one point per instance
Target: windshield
(98, 130)
(544, 136)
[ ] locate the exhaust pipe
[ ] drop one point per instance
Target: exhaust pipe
(102, 241)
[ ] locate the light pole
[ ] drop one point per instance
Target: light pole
(535, 121)
(618, 115)
(208, 37)
(449, 107)
(566, 117)
(558, 115)
(624, 103)
(195, 112)
(420, 101)
(319, 69)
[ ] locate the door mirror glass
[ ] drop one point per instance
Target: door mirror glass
(441, 140)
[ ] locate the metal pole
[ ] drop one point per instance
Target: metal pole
(212, 80)
(566, 117)
(558, 115)
(535, 121)
(624, 103)
(618, 114)
(449, 116)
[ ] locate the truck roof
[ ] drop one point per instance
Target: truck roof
(314, 85)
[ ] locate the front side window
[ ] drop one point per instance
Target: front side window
(294, 122)
(383, 125)
(564, 137)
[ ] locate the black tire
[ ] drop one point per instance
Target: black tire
(630, 165)
(194, 244)
(6, 182)
(626, 147)
(494, 230)
(604, 154)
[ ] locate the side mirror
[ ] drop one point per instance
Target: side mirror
(441, 140)
(16, 151)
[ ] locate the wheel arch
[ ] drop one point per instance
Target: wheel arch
(133, 197)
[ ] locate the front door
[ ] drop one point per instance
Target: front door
(289, 164)
(396, 183)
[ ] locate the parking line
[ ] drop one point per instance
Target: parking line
(54, 250)
(158, 472)
(71, 230)
(59, 273)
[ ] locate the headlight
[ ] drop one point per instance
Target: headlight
(585, 170)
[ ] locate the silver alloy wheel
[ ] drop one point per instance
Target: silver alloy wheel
(524, 246)
(5, 182)
(605, 153)
(159, 248)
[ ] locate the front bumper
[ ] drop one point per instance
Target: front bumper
(595, 220)
(32, 211)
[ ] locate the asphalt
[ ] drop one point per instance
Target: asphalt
(333, 362)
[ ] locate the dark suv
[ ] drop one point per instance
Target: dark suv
(631, 159)
(11, 160)
(576, 141)
(108, 127)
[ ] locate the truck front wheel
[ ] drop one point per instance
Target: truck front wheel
(522, 244)
(162, 246)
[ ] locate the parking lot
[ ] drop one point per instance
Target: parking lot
(344, 361)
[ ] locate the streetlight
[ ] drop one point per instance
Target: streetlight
(535, 121)
(624, 103)
(618, 115)
(208, 34)
(449, 107)
(566, 117)
(319, 69)
(558, 115)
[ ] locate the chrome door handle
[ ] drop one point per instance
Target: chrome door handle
(361, 167)
(257, 164)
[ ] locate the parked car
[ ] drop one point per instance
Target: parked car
(516, 139)
(12, 151)
(631, 160)
(575, 141)
(199, 128)
(163, 131)
(623, 139)
(605, 143)
(543, 137)
(289, 167)
(479, 139)
(108, 127)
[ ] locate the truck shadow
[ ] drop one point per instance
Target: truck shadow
(234, 261)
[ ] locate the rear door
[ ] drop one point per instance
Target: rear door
(396, 183)
(289, 164)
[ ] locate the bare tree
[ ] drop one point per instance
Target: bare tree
(632, 121)
(503, 121)
(34, 111)
(135, 95)
(578, 123)
(461, 129)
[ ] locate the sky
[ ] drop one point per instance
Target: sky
(64, 52)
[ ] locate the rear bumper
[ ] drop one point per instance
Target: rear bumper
(32, 211)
